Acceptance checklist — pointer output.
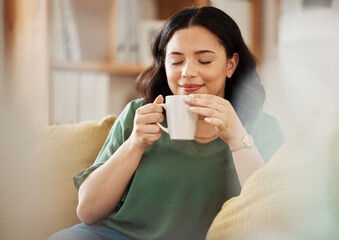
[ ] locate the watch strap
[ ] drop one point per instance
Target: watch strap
(246, 142)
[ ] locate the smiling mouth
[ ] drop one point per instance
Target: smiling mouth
(191, 87)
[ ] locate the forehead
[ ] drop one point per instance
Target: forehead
(194, 38)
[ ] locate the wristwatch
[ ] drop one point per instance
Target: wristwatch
(246, 142)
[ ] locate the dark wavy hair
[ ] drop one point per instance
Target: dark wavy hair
(243, 90)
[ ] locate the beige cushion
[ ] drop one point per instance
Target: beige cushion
(295, 196)
(61, 151)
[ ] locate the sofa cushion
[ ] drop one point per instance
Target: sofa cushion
(295, 195)
(60, 152)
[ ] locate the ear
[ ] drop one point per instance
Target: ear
(232, 64)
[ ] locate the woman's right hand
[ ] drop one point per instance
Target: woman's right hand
(145, 131)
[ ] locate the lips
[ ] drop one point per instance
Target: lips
(191, 87)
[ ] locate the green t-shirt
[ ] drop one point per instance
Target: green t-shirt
(179, 186)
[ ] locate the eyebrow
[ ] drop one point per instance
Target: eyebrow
(195, 52)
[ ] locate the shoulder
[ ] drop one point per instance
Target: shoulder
(131, 107)
(135, 104)
(129, 111)
(123, 125)
(126, 117)
(138, 102)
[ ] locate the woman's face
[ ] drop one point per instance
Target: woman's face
(196, 62)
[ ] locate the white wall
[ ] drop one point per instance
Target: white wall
(241, 12)
(303, 74)
(270, 24)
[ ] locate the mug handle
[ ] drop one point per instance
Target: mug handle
(162, 127)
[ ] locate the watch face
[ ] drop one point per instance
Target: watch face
(248, 141)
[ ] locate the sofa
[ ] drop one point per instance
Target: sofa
(60, 151)
(295, 196)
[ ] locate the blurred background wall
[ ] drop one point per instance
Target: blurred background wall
(300, 72)
(75, 60)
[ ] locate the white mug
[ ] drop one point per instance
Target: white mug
(181, 122)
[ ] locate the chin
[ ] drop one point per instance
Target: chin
(191, 92)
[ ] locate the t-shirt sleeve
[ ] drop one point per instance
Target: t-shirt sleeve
(119, 133)
(267, 133)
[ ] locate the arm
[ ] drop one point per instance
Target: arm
(246, 162)
(102, 190)
(219, 113)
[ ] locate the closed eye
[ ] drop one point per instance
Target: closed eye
(205, 62)
(177, 63)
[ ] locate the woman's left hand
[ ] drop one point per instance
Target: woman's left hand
(219, 113)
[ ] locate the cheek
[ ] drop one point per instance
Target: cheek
(217, 75)
(215, 81)
(211, 77)
(173, 78)
(172, 75)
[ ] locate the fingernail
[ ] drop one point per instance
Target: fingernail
(191, 108)
(207, 119)
(187, 99)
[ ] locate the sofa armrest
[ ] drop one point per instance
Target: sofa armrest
(60, 152)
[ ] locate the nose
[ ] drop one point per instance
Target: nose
(189, 70)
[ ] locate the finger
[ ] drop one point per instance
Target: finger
(206, 112)
(150, 137)
(149, 108)
(151, 129)
(159, 99)
(215, 122)
(149, 118)
(211, 97)
(207, 103)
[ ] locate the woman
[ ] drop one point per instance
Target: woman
(145, 186)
